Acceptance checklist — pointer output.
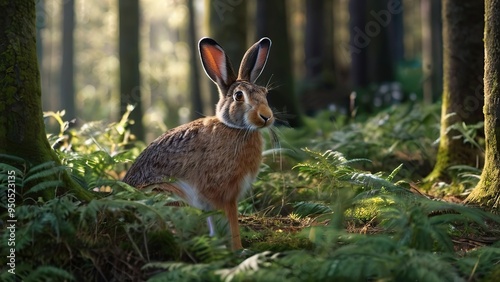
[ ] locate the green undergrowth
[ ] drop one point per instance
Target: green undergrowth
(329, 205)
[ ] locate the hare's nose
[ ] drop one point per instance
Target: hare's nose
(265, 118)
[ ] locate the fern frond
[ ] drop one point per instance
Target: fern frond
(46, 184)
(179, 271)
(468, 132)
(6, 158)
(116, 205)
(42, 167)
(481, 262)
(304, 209)
(468, 213)
(4, 168)
(48, 170)
(49, 273)
(249, 265)
(394, 173)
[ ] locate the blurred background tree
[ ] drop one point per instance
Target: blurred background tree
(67, 91)
(272, 21)
(227, 24)
(385, 51)
(195, 80)
(129, 57)
(432, 50)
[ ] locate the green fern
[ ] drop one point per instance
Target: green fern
(49, 273)
(179, 271)
(467, 132)
(409, 129)
(467, 176)
(48, 184)
(30, 179)
(250, 265)
(305, 209)
(134, 231)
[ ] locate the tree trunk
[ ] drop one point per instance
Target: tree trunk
(318, 44)
(396, 32)
(381, 50)
(271, 21)
(314, 39)
(130, 77)
(67, 66)
(432, 49)
(194, 62)
(487, 191)
(40, 24)
(227, 22)
(358, 43)
(463, 52)
(22, 130)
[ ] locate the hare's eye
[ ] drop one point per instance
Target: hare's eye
(238, 96)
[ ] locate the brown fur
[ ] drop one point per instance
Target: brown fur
(210, 162)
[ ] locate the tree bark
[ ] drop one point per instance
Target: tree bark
(318, 44)
(271, 21)
(130, 77)
(22, 130)
(432, 49)
(463, 52)
(67, 66)
(194, 62)
(227, 22)
(381, 50)
(358, 44)
(487, 191)
(314, 39)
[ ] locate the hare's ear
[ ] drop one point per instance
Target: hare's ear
(254, 60)
(216, 63)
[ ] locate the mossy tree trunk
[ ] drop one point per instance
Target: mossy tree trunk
(22, 130)
(487, 191)
(463, 67)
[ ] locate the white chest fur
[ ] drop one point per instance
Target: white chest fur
(194, 198)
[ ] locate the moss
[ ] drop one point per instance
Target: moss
(487, 191)
(368, 209)
(279, 241)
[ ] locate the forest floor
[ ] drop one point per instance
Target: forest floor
(285, 232)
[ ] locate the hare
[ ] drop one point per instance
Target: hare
(211, 162)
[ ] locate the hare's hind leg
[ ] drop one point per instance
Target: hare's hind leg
(231, 211)
(211, 226)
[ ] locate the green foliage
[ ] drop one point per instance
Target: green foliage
(101, 238)
(467, 176)
(419, 247)
(355, 225)
(97, 153)
(467, 132)
(402, 134)
(23, 174)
